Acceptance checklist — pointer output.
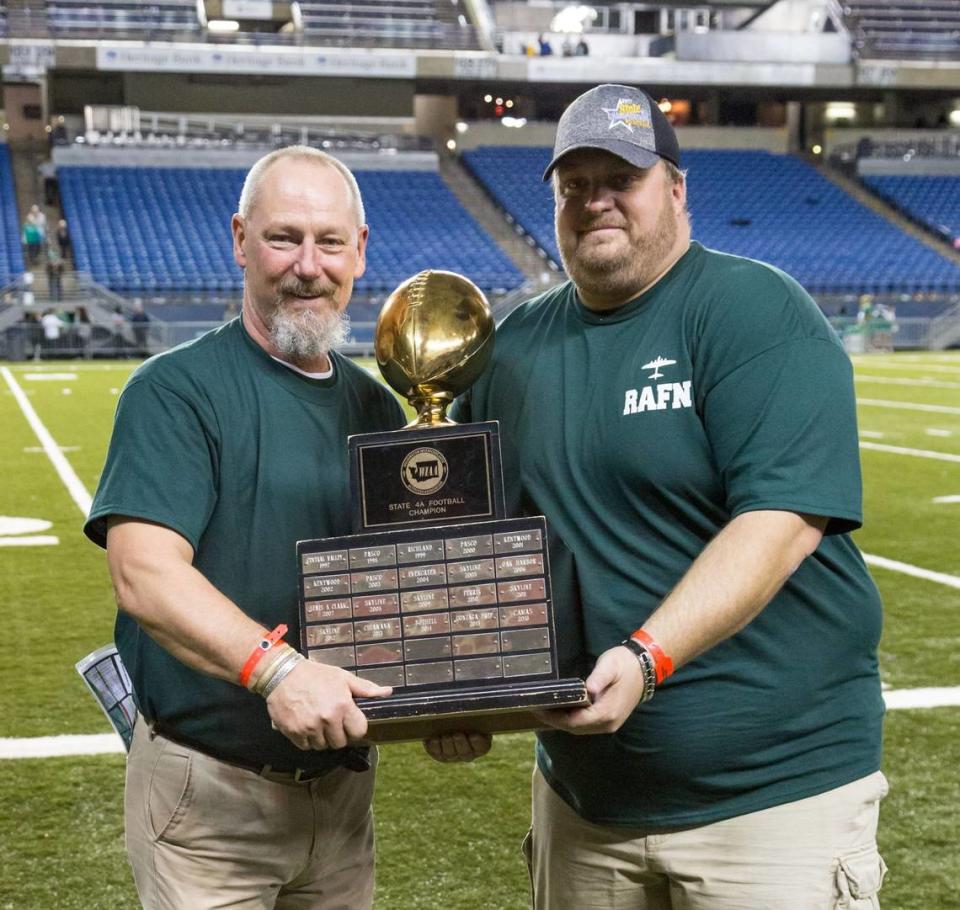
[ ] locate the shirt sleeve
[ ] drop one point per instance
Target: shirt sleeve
(161, 464)
(782, 428)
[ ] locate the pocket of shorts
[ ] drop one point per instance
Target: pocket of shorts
(526, 848)
(171, 791)
(859, 877)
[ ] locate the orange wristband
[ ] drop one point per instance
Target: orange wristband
(661, 663)
(264, 645)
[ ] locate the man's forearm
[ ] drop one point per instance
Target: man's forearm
(157, 585)
(732, 580)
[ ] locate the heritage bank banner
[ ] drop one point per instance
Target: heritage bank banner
(149, 58)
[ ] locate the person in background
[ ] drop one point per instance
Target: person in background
(64, 243)
(54, 274)
(245, 783)
(141, 328)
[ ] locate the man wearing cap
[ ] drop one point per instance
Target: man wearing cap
(685, 420)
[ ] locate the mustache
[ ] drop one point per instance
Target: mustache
(593, 224)
(296, 288)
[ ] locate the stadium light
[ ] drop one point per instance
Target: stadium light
(572, 19)
(462, 127)
(223, 25)
(452, 145)
(954, 117)
(840, 110)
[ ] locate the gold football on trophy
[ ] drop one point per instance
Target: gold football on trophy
(433, 339)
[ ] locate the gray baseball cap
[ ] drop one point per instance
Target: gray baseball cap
(619, 119)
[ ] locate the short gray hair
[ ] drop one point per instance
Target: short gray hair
(675, 174)
(251, 184)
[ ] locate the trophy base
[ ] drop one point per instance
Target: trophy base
(481, 709)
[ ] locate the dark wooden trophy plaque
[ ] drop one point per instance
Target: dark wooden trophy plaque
(437, 593)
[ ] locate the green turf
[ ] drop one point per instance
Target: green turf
(448, 836)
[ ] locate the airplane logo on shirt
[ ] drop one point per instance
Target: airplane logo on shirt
(655, 366)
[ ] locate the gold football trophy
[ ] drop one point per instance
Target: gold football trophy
(436, 593)
(433, 340)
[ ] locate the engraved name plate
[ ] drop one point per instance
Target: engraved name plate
(470, 620)
(527, 564)
(320, 636)
(531, 589)
(331, 561)
(422, 576)
(473, 595)
(378, 580)
(420, 551)
(373, 629)
(372, 557)
(527, 615)
(473, 570)
(421, 624)
(376, 605)
(420, 601)
(461, 547)
(515, 541)
(328, 610)
(325, 585)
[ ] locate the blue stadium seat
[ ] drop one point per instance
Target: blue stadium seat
(11, 250)
(172, 224)
(753, 203)
(933, 201)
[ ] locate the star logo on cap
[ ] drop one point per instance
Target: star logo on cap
(628, 114)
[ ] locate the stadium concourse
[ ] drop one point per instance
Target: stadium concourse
(142, 228)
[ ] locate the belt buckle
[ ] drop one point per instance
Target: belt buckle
(297, 776)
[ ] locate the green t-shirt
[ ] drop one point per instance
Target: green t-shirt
(243, 457)
(640, 434)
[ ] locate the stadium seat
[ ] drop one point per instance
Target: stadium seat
(172, 224)
(776, 208)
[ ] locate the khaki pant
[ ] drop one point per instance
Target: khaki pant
(818, 853)
(202, 834)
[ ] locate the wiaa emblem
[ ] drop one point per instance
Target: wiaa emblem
(424, 471)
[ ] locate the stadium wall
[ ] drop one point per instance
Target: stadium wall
(769, 139)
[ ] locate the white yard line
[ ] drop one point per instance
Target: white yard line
(76, 489)
(916, 453)
(909, 406)
(36, 540)
(899, 380)
(893, 565)
(919, 366)
(111, 744)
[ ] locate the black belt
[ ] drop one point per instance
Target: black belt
(354, 758)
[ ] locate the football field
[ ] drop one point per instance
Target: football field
(448, 835)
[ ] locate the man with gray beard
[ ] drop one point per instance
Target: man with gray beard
(244, 787)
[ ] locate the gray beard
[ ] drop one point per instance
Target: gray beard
(304, 335)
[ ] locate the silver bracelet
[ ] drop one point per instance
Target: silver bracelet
(286, 667)
(647, 667)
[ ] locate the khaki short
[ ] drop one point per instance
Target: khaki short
(203, 834)
(818, 853)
